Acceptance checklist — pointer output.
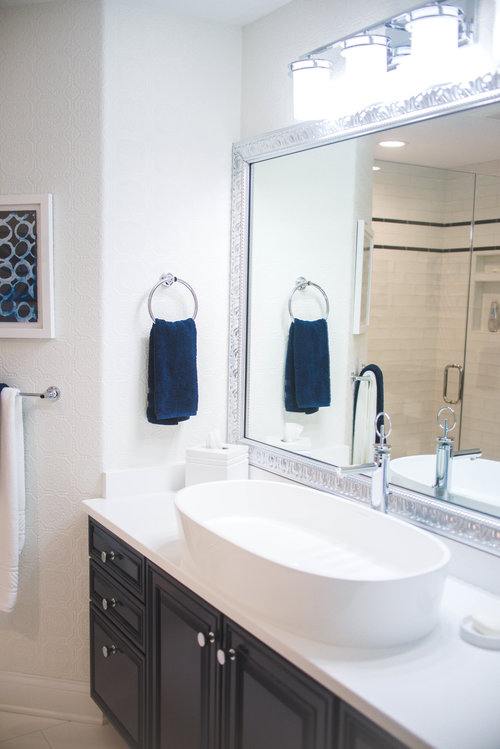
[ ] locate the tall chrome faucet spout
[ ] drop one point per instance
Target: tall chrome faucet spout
(379, 468)
(443, 454)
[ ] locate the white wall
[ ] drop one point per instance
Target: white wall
(126, 113)
(171, 112)
(50, 77)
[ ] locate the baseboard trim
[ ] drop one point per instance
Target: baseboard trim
(48, 698)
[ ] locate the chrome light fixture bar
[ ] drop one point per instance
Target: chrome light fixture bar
(424, 37)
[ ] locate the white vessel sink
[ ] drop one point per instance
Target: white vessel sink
(314, 564)
(477, 479)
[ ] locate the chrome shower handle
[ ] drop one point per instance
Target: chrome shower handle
(460, 371)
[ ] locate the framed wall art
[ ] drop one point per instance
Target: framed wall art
(26, 277)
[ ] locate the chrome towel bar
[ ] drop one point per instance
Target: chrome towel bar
(52, 394)
(167, 279)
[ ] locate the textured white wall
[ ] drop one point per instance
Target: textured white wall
(50, 72)
(171, 112)
(126, 114)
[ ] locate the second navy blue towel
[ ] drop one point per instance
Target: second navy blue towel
(172, 373)
(307, 367)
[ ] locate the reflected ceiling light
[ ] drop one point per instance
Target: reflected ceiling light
(311, 88)
(392, 143)
(375, 168)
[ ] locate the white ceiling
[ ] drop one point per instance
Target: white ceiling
(456, 141)
(238, 12)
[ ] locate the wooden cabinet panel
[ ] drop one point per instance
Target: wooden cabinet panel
(118, 680)
(357, 732)
(270, 704)
(118, 558)
(185, 699)
(115, 604)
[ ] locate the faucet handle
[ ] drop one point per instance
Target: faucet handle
(445, 427)
(380, 430)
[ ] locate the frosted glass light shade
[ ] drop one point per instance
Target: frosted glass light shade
(434, 35)
(311, 88)
(365, 56)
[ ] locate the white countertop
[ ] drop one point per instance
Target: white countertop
(440, 692)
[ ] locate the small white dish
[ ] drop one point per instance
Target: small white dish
(470, 634)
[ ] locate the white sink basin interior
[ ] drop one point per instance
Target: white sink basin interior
(477, 479)
(320, 566)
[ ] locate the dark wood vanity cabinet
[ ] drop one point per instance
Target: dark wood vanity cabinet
(185, 677)
(357, 732)
(171, 672)
(267, 702)
(118, 634)
(217, 687)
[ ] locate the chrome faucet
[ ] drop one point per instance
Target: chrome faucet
(445, 455)
(380, 491)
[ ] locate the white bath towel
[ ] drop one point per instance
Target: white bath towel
(12, 494)
(364, 421)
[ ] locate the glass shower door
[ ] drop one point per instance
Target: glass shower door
(481, 396)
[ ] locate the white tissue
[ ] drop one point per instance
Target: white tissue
(214, 441)
(291, 431)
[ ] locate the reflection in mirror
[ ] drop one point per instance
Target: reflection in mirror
(433, 210)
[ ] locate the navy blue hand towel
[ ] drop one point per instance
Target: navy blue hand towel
(379, 381)
(172, 375)
(307, 367)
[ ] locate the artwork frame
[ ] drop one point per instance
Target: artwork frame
(26, 266)
(362, 278)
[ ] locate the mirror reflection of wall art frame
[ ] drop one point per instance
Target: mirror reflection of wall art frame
(26, 277)
(362, 278)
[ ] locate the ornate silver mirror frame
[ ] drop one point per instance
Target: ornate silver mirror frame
(457, 523)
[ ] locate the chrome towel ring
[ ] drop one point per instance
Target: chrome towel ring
(167, 279)
(300, 285)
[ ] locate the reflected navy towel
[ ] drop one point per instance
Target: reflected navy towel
(379, 380)
(172, 375)
(307, 367)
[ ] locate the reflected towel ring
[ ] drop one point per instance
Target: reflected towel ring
(300, 285)
(167, 279)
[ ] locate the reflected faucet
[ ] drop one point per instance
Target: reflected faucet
(445, 455)
(380, 491)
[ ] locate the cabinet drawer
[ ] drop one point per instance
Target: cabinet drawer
(117, 680)
(118, 558)
(118, 606)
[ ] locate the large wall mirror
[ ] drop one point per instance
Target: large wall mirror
(401, 247)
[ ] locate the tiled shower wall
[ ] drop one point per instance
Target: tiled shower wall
(419, 293)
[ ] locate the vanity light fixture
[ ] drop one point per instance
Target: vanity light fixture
(311, 88)
(365, 55)
(386, 61)
(435, 28)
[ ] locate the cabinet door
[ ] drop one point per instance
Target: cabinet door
(185, 677)
(357, 732)
(268, 703)
(117, 680)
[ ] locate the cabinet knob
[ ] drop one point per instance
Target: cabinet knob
(107, 556)
(203, 639)
(109, 651)
(108, 603)
(221, 655)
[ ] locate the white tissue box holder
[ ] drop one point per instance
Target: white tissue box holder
(216, 464)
